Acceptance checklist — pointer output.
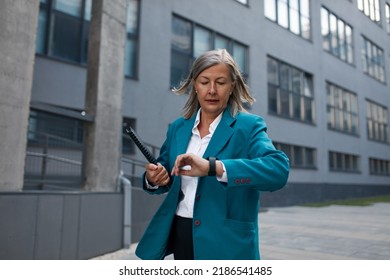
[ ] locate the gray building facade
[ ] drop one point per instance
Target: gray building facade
(319, 70)
(332, 146)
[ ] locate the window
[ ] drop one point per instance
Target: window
(189, 40)
(336, 36)
(387, 15)
(290, 92)
(379, 166)
(342, 162)
(342, 110)
(293, 15)
(299, 156)
(42, 28)
(63, 27)
(371, 9)
(377, 122)
(46, 128)
(131, 51)
(373, 60)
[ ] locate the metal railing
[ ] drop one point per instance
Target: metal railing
(55, 163)
(52, 162)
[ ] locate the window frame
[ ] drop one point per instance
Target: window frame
(371, 9)
(284, 92)
(377, 126)
(347, 45)
(345, 94)
(373, 58)
(387, 17)
(382, 164)
(277, 5)
(347, 159)
(190, 55)
(291, 151)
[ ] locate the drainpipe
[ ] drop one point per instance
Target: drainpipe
(126, 186)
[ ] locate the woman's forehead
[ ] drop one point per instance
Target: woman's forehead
(217, 70)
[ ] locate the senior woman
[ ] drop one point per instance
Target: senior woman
(214, 163)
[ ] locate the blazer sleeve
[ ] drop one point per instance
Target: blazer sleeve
(263, 167)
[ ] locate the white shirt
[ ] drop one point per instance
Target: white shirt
(197, 146)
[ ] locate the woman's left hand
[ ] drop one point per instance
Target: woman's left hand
(190, 165)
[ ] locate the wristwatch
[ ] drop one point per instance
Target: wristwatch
(213, 167)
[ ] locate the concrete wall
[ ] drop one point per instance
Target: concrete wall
(59, 225)
(17, 47)
(103, 96)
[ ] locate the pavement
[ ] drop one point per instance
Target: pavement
(315, 233)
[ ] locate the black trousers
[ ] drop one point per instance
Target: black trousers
(182, 242)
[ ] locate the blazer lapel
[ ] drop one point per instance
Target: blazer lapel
(184, 134)
(221, 135)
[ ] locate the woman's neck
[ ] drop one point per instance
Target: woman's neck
(204, 124)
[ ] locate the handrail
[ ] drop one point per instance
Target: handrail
(46, 171)
(48, 156)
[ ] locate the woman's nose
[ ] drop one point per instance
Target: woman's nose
(212, 89)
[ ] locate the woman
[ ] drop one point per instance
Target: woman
(214, 163)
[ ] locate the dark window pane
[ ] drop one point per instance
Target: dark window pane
(181, 33)
(41, 34)
(273, 74)
(284, 76)
(285, 103)
(180, 65)
(272, 99)
(296, 106)
(66, 37)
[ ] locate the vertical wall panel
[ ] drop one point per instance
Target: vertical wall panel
(17, 226)
(49, 227)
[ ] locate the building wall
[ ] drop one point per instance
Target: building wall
(60, 225)
(148, 98)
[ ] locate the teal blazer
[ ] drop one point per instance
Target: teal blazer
(225, 214)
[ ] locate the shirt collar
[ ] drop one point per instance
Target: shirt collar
(213, 125)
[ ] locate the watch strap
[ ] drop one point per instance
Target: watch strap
(212, 167)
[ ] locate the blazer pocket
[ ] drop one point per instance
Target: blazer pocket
(240, 225)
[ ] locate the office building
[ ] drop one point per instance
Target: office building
(319, 70)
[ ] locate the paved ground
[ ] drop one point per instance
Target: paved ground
(325, 233)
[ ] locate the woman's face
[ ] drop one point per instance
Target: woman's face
(214, 87)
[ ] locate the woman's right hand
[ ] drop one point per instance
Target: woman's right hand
(157, 175)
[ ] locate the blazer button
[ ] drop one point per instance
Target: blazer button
(248, 180)
(197, 197)
(197, 222)
(237, 181)
(242, 181)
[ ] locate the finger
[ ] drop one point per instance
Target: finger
(174, 168)
(165, 180)
(174, 171)
(162, 178)
(181, 160)
(161, 173)
(151, 166)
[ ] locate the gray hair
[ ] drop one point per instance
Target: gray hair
(240, 94)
